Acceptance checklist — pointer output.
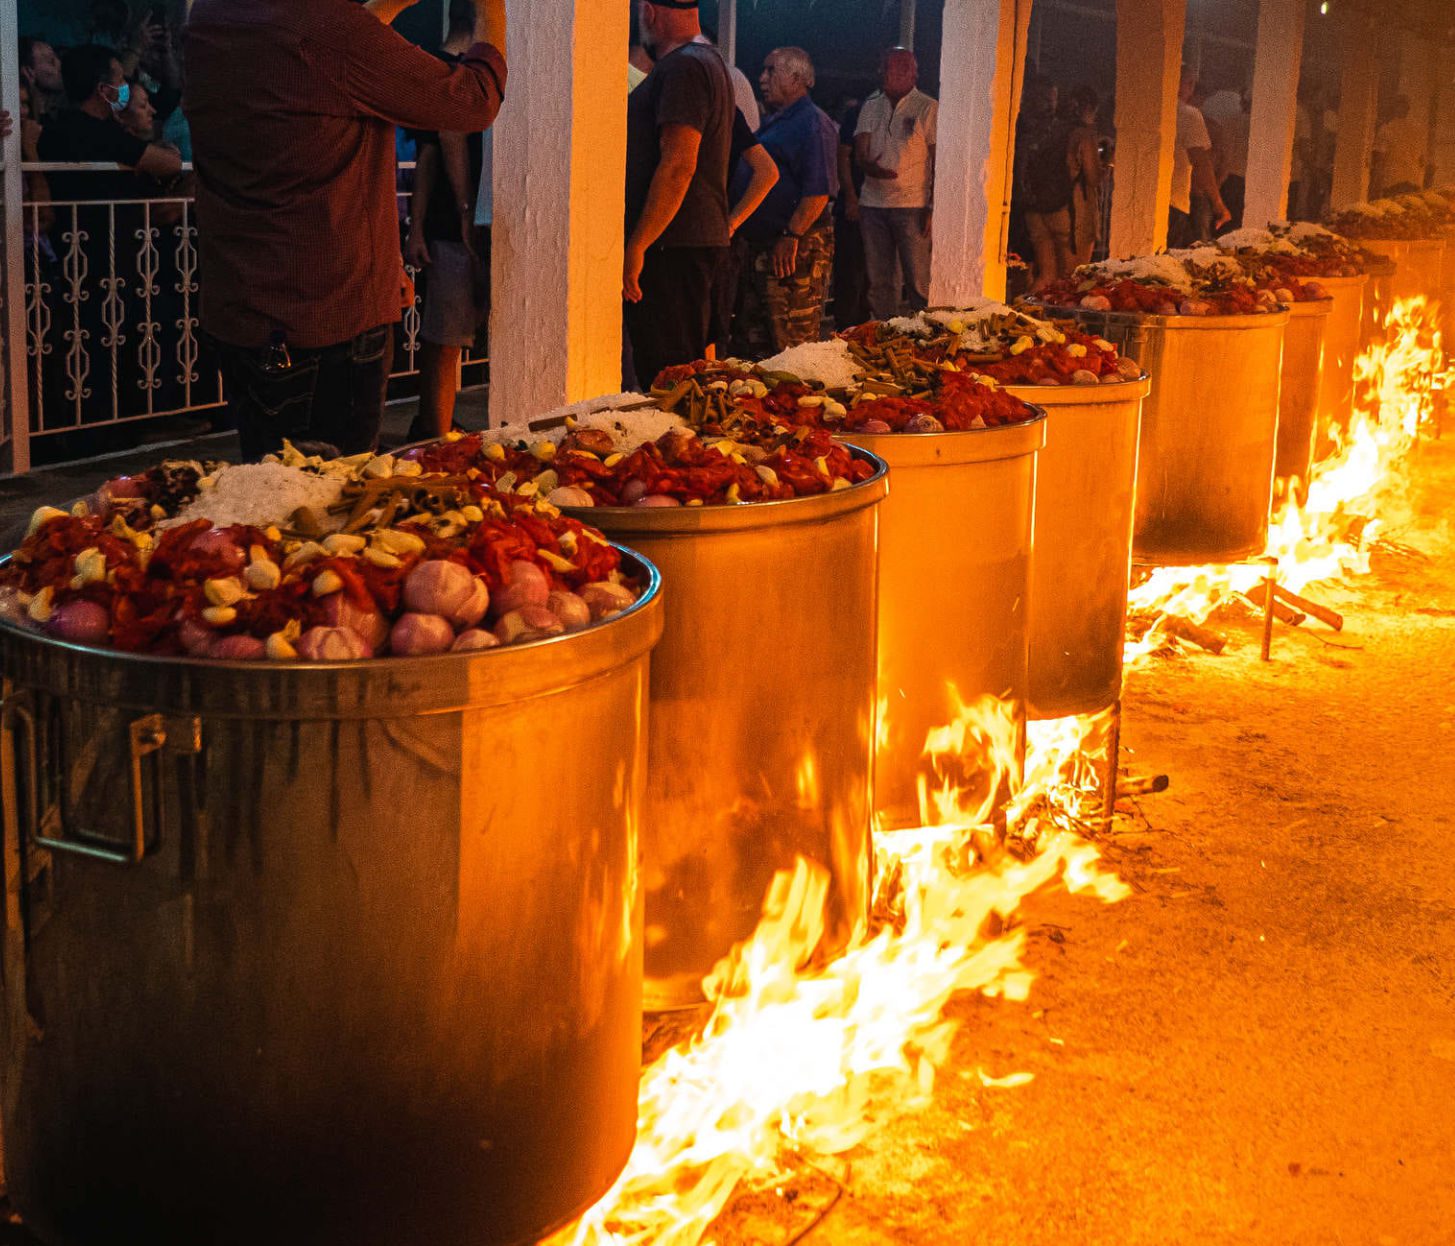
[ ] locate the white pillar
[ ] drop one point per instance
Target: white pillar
(908, 11)
(1358, 105)
(1277, 58)
(1419, 80)
(560, 156)
(1149, 63)
(727, 30)
(981, 68)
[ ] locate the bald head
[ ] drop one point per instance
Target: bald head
(900, 73)
(666, 28)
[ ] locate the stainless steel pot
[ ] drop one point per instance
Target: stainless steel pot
(1378, 299)
(1209, 431)
(1342, 343)
(1418, 263)
(322, 954)
(1300, 387)
(1085, 495)
(762, 712)
(954, 589)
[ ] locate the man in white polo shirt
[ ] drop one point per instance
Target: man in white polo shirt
(895, 146)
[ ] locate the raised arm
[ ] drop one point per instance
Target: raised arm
(765, 177)
(388, 77)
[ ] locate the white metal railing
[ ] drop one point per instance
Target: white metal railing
(111, 290)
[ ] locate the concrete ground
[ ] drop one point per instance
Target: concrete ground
(1259, 1045)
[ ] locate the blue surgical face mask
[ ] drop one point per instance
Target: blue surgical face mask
(123, 98)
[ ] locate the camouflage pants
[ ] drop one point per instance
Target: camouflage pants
(779, 312)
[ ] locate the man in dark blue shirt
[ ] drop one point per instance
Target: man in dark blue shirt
(790, 238)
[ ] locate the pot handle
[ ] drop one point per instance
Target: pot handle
(148, 735)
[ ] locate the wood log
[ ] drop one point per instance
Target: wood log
(1185, 629)
(1142, 784)
(1283, 613)
(1331, 618)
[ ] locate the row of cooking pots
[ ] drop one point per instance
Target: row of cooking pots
(378, 972)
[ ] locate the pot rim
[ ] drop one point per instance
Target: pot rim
(970, 445)
(1191, 324)
(382, 687)
(738, 517)
(1083, 395)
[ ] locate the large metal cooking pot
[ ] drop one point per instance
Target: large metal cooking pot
(762, 711)
(1418, 262)
(322, 954)
(954, 589)
(1209, 431)
(1342, 343)
(1298, 394)
(1378, 299)
(1085, 493)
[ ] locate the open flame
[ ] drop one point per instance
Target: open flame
(1351, 494)
(796, 1061)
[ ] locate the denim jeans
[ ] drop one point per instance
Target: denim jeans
(897, 257)
(329, 394)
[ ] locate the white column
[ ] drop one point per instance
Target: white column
(1358, 104)
(1419, 79)
(1149, 63)
(908, 12)
(727, 30)
(981, 68)
(1277, 58)
(560, 156)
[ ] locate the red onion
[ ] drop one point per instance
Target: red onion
(658, 499)
(632, 492)
(238, 649)
(337, 610)
(122, 487)
(527, 586)
(473, 640)
(415, 635)
(217, 544)
(196, 638)
(1084, 376)
(605, 598)
(82, 622)
(333, 644)
(873, 426)
(924, 422)
(574, 613)
(448, 590)
(528, 623)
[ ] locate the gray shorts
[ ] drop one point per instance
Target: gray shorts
(451, 316)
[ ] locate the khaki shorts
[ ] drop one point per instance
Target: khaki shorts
(451, 315)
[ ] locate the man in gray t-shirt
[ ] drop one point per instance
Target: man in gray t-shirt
(679, 139)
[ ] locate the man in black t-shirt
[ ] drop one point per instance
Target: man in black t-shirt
(90, 132)
(679, 141)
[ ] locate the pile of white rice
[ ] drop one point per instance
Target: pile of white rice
(258, 494)
(829, 363)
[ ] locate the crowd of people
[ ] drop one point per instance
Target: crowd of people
(749, 217)
(755, 220)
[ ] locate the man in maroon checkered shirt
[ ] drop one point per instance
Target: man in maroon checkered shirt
(293, 106)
